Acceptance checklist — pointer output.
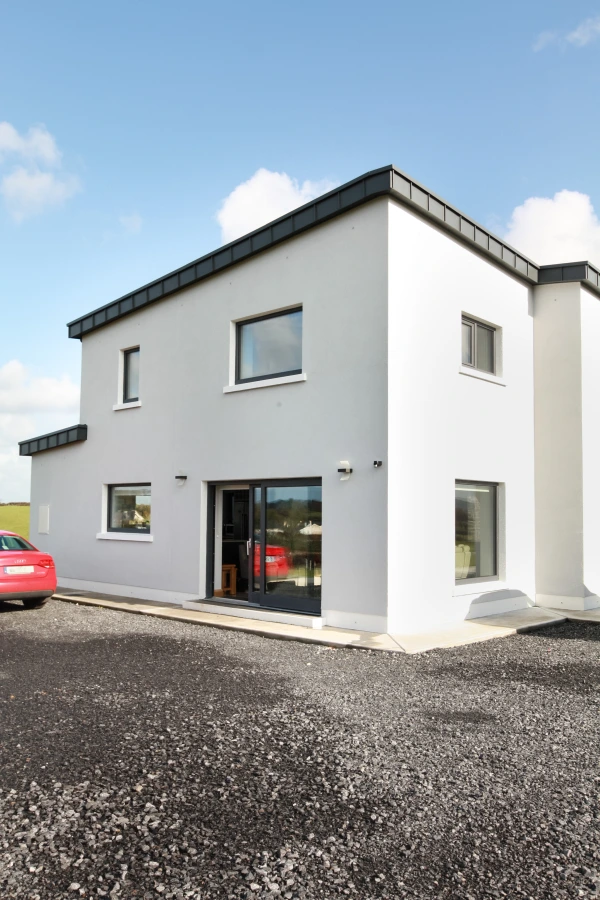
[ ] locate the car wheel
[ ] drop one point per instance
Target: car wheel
(34, 602)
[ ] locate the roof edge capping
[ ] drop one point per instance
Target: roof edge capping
(387, 180)
(373, 183)
(72, 435)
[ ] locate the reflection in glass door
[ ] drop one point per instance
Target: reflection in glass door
(287, 535)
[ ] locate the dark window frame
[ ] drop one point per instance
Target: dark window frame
(496, 485)
(126, 357)
(238, 345)
(473, 324)
(109, 505)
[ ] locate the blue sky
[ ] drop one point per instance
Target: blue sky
(154, 112)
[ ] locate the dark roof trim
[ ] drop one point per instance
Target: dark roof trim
(53, 439)
(388, 181)
(576, 271)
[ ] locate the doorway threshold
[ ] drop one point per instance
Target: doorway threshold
(246, 610)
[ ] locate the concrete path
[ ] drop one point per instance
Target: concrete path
(468, 632)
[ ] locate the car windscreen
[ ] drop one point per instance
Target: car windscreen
(12, 542)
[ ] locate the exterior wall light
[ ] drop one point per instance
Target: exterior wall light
(378, 463)
(180, 479)
(344, 470)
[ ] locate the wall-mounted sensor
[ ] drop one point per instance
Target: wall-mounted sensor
(344, 470)
(378, 463)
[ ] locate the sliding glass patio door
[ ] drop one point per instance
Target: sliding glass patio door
(285, 545)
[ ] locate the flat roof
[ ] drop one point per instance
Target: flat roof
(387, 181)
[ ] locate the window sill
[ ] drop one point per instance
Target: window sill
(266, 382)
(474, 586)
(483, 376)
(122, 536)
(131, 405)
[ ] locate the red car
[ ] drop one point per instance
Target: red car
(276, 561)
(26, 574)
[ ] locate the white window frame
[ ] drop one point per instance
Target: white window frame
(121, 381)
(495, 377)
(234, 386)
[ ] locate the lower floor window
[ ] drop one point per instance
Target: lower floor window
(129, 507)
(476, 553)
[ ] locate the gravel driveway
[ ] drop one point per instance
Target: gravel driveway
(147, 758)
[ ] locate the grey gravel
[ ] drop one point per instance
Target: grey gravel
(147, 758)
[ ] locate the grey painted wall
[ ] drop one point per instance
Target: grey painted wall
(338, 273)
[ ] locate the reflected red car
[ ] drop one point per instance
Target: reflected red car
(26, 573)
(276, 561)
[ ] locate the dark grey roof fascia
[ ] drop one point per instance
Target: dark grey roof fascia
(410, 192)
(53, 440)
(582, 271)
(388, 180)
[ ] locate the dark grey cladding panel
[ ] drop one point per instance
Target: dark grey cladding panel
(186, 276)
(467, 228)
(593, 276)
(222, 259)
(386, 181)
(452, 219)
(436, 208)
(400, 184)
(328, 207)
(204, 267)
(261, 240)
(521, 265)
(283, 229)
(242, 249)
(419, 197)
(355, 193)
(61, 438)
(509, 257)
(410, 193)
(304, 218)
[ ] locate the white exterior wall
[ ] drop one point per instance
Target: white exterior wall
(590, 407)
(567, 407)
(187, 425)
(444, 426)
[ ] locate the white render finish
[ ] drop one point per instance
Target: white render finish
(383, 290)
(567, 429)
(444, 426)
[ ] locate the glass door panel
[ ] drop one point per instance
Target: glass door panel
(255, 538)
(292, 559)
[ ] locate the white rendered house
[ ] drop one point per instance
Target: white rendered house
(370, 412)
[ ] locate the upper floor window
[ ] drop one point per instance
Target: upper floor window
(478, 345)
(131, 375)
(129, 507)
(269, 346)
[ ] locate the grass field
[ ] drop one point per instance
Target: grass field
(15, 518)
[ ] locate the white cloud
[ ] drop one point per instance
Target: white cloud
(131, 224)
(37, 145)
(585, 33)
(563, 228)
(27, 193)
(29, 406)
(544, 40)
(264, 197)
(34, 183)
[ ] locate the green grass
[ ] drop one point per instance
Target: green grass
(15, 518)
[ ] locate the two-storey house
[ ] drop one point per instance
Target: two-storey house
(371, 412)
